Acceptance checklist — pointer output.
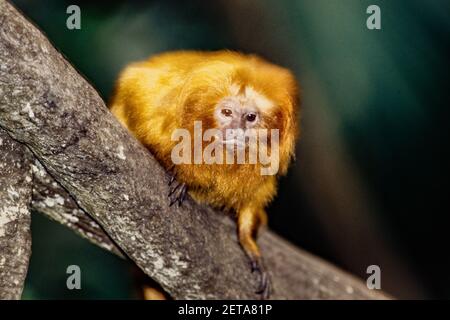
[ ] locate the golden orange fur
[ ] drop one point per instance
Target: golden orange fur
(171, 90)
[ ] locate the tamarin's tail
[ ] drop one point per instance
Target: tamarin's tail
(146, 288)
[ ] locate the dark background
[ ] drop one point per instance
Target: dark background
(369, 185)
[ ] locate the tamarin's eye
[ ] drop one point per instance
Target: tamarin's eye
(251, 117)
(227, 112)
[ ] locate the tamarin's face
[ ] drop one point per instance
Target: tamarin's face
(249, 95)
(244, 109)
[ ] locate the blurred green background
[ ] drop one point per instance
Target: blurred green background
(369, 185)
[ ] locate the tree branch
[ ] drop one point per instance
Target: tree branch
(192, 251)
(50, 199)
(15, 234)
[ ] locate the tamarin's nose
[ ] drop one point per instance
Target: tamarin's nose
(236, 131)
(236, 124)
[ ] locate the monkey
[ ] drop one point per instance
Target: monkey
(225, 90)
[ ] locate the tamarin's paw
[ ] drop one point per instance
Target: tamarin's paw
(177, 192)
(265, 285)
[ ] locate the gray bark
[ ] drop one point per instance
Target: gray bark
(114, 192)
(15, 234)
(50, 199)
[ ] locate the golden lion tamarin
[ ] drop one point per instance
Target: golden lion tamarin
(225, 91)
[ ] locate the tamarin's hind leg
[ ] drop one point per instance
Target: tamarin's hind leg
(249, 221)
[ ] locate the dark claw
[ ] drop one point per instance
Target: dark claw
(171, 173)
(265, 286)
(177, 194)
(172, 202)
(172, 190)
(254, 265)
(182, 195)
(172, 179)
